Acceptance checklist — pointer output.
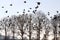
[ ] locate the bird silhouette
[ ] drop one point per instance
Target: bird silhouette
(23, 12)
(24, 1)
(10, 4)
(23, 9)
(7, 16)
(57, 11)
(6, 11)
(38, 3)
(17, 12)
(33, 11)
(2, 6)
(36, 7)
(30, 8)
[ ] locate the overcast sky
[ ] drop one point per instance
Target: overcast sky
(18, 5)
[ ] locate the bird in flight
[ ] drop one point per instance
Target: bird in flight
(38, 3)
(10, 4)
(2, 6)
(24, 1)
(6, 11)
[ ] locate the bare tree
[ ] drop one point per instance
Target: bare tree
(21, 21)
(55, 22)
(30, 27)
(9, 24)
(30, 23)
(5, 25)
(39, 28)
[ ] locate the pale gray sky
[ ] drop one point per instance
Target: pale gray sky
(18, 5)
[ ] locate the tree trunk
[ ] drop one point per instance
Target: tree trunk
(22, 31)
(5, 33)
(29, 32)
(38, 35)
(13, 35)
(55, 33)
(38, 31)
(30, 29)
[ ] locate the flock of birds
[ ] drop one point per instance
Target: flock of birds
(38, 3)
(34, 11)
